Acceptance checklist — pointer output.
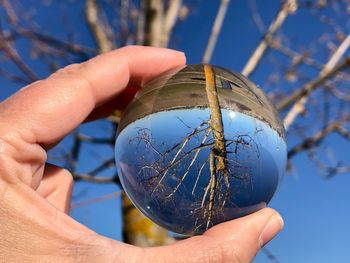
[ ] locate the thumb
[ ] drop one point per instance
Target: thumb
(234, 241)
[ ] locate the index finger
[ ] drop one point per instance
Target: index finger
(49, 109)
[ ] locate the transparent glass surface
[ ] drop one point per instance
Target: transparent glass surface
(185, 171)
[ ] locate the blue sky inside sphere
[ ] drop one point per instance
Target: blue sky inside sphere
(256, 159)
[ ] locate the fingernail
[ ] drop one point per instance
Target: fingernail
(273, 226)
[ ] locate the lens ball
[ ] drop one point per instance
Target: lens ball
(200, 145)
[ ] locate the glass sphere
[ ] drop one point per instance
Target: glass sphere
(200, 145)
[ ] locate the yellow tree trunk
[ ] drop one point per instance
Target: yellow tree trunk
(139, 230)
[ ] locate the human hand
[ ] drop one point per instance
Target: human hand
(35, 196)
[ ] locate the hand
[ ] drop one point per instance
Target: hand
(35, 196)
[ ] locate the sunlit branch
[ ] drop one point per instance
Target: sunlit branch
(15, 57)
(211, 188)
(220, 16)
(13, 18)
(312, 85)
(183, 177)
(198, 176)
(288, 7)
(183, 157)
(216, 122)
(98, 29)
(299, 105)
(153, 22)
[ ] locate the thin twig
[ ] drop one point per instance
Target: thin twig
(95, 179)
(299, 106)
(256, 16)
(312, 85)
(13, 18)
(220, 16)
(317, 138)
(16, 58)
(288, 7)
(15, 78)
(95, 200)
(76, 49)
(269, 255)
(89, 139)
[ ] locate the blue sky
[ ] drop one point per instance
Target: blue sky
(316, 210)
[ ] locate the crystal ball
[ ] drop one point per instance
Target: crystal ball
(200, 145)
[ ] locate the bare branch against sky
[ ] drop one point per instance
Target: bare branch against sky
(215, 31)
(299, 105)
(98, 29)
(287, 7)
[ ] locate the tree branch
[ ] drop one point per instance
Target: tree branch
(299, 106)
(154, 20)
(8, 75)
(288, 7)
(343, 132)
(85, 138)
(13, 19)
(84, 52)
(312, 85)
(159, 23)
(95, 179)
(256, 16)
(220, 16)
(269, 255)
(15, 57)
(98, 31)
(317, 138)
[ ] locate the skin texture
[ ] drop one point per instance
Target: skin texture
(35, 196)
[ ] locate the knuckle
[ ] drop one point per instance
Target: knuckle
(128, 48)
(68, 70)
(73, 72)
(7, 168)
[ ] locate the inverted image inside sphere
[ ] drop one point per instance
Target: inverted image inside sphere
(188, 164)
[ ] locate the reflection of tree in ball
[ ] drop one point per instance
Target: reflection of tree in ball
(198, 146)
